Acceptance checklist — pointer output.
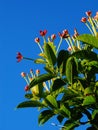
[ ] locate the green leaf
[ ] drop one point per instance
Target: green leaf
(89, 39)
(50, 55)
(30, 104)
(45, 116)
(88, 100)
(65, 111)
(58, 83)
(84, 54)
(40, 61)
(51, 101)
(71, 69)
(95, 112)
(40, 79)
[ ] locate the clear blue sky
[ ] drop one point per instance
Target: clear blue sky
(20, 22)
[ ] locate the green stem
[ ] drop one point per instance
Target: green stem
(40, 47)
(89, 28)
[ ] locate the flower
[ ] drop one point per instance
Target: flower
(75, 33)
(96, 16)
(84, 19)
(37, 71)
(23, 74)
(26, 88)
(64, 34)
(53, 36)
(19, 57)
(88, 13)
(43, 33)
(37, 40)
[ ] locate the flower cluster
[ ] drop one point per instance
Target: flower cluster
(91, 22)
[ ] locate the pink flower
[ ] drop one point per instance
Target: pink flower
(26, 88)
(88, 13)
(19, 57)
(37, 40)
(83, 19)
(43, 33)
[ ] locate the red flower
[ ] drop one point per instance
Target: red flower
(43, 33)
(19, 57)
(64, 34)
(88, 13)
(26, 88)
(37, 40)
(83, 19)
(23, 74)
(37, 71)
(53, 36)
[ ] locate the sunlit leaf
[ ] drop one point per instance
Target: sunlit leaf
(88, 100)
(51, 101)
(65, 111)
(40, 61)
(88, 39)
(50, 55)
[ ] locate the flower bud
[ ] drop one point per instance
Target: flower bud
(37, 40)
(26, 88)
(53, 36)
(37, 71)
(88, 13)
(83, 19)
(23, 74)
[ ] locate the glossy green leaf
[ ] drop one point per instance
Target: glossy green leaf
(40, 79)
(30, 104)
(88, 100)
(45, 116)
(51, 101)
(88, 39)
(50, 55)
(71, 69)
(95, 112)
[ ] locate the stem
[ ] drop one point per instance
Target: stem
(93, 27)
(59, 45)
(40, 47)
(28, 58)
(89, 28)
(70, 40)
(26, 80)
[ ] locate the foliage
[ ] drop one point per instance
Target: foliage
(69, 87)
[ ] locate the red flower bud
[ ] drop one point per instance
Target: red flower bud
(83, 19)
(23, 74)
(37, 71)
(26, 88)
(88, 13)
(53, 36)
(37, 40)
(43, 33)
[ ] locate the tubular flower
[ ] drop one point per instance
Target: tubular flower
(96, 16)
(75, 33)
(43, 33)
(37, 72)
(19, 57)
(37, 40)
(26, 88)
(84, 20)
(88, 13)
(64, 34)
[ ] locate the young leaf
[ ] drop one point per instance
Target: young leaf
(51, 101)
(65, 111)
(30, 104)
(71, 69)
(40, 61)
(89, 39)
(45, 116)
(50, 55)
(88, 100)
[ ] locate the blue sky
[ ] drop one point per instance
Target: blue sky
(20, 22)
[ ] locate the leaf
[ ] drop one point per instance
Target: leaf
(84, 54)
(88, 100)
(88, 39)
(40, 79)
(58, 83)
(50, 55)
(45, 116)
(65, 111)
(40, 61)
(30, 104)
(95, 112)
(62, 57)
(71, 69)
(51, 101)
